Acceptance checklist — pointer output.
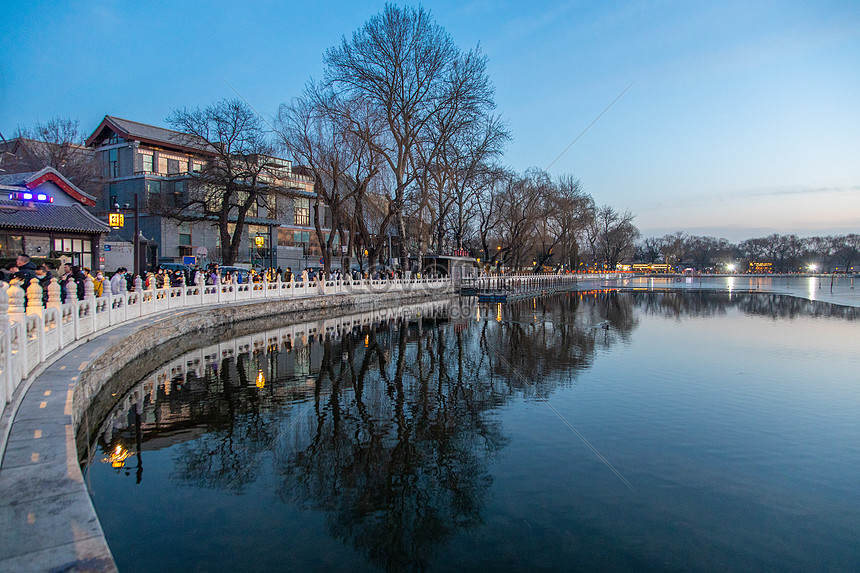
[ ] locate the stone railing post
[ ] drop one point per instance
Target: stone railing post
(54, 294)
(182, 294)
(16, 301)
(89, 288)
(138, 284)
(34, 297)
(6, 384)
(71, 291)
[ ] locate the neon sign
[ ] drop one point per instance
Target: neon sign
(26, 196)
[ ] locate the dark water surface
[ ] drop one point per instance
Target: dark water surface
(606, 431)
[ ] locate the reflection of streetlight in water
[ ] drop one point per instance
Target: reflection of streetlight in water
(261, 380)
(117, 456)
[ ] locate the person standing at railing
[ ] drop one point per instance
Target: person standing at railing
(80, 278)
(99, 284)
(44, 276)
(117, 278)
(26, 269)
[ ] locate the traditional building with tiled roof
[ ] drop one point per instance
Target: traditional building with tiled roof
(42, 214)
(157, 165)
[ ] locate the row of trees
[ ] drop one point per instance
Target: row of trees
(786, 253)
(404, 146)
(401, 138)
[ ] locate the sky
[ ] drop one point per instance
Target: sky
(740, 119)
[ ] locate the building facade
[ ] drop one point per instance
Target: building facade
(157, 165)
(43, 215)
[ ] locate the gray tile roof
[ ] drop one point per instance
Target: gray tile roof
(71, 218)
(157, 134)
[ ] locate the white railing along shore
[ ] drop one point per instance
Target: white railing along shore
(33, 334)
(515, 283)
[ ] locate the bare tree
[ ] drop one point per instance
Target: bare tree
(58, 143)
(611, 236)
(240, 177)
(342, 164)
(408, 74)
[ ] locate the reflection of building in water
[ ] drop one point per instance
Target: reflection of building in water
(174, 404)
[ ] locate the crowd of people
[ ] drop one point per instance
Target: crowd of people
(122, 280)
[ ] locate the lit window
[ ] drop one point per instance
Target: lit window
(302, 212)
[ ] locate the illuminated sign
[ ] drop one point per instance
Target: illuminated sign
(260, 240)
(26, 196)
(116, 219)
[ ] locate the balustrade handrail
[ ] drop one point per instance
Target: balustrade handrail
(32, 333)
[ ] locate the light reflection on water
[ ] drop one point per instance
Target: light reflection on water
(455, 441)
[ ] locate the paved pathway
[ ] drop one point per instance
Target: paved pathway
(47, 520)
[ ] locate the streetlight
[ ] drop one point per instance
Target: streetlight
(136, 240)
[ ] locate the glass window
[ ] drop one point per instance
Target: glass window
(67, 245)
(147, 163)
(11, 245)
(112, 169)
(162, 164)
(77, 247)
(153, 188)
(302, 212)
(58, 244)
(87, 246)
(172, 166)
(185, 234)
(196, 167)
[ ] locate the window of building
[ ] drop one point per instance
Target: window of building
(11, 245)
(153, 190)
(197, 167)
(162, 165)
(147, 163)
(172, 166)
(78, 251)
(112, 196)
(302, 212)
(185, 234)
(112, 169)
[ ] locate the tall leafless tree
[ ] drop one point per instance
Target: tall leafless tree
(240, 177)
(58, 143)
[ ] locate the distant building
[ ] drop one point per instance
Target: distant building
(74, 162)
(156, 164)
(42, 214)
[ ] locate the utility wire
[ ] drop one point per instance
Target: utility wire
(589, 126)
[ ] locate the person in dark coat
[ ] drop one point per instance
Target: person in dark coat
(26, 270)
(44, 276)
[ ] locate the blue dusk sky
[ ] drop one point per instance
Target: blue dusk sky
(743, 118)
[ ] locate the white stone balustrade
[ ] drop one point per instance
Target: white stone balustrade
(33, 334)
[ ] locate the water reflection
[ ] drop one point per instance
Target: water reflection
(386, 424)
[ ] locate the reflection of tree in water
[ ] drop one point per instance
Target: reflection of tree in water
(541, 343)
(709, 303)
(241, 427)
(397, 448)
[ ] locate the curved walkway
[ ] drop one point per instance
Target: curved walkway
(47, 520)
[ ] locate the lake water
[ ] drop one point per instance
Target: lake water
(597, 431)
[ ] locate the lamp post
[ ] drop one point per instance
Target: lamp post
(136, 240)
